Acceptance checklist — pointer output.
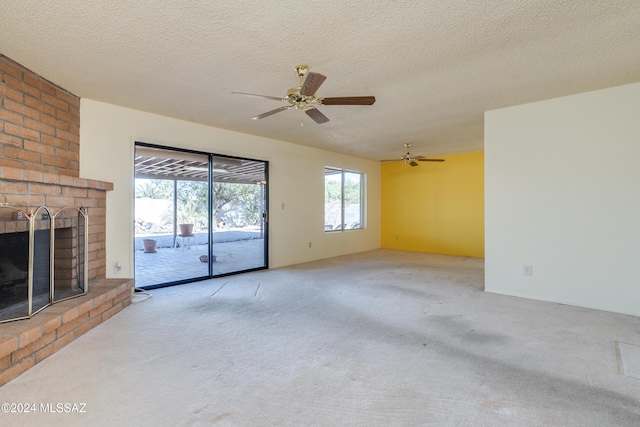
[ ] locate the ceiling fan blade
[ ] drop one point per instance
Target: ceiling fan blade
(413, 163)
(317, 116)
(392, 160)
(311, 84)
(275, 98)
(349, 100)
(269, 113)
(430, 160)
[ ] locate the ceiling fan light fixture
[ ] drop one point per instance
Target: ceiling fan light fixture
(412, 160)
(302, 70)
(304, 97)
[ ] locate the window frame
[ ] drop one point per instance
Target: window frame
(343, 226)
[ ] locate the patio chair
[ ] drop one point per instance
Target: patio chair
(185, 239)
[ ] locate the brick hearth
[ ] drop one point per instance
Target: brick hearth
(26, 342)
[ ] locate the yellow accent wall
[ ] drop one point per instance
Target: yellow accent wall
(434, 207)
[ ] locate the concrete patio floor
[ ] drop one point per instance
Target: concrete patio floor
(169, 264)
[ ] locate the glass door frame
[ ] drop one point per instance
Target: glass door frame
(264, 223)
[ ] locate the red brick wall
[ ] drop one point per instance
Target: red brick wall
(39, 152)
(39, 122)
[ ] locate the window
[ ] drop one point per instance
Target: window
(343, 194)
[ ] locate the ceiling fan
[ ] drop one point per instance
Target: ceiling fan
(304, 97)
(412, 160)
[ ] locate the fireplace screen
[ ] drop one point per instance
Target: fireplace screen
(68, 254)
(42, 259)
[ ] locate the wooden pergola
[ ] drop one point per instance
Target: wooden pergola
(166, 164)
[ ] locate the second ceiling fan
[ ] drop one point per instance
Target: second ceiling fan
(304, 97)
(412, 160)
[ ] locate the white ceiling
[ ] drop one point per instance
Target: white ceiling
(433, 66)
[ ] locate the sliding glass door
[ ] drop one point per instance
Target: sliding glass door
(239, 213)
(197, 215)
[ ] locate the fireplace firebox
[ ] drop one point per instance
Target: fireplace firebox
(43, 258)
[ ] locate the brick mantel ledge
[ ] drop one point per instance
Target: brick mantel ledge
(14, 174)
(28, 189)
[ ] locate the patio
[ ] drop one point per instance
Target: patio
(235, 250)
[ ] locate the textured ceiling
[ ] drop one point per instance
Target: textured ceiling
(434, 66)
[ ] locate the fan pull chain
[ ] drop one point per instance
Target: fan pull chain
(302, 120)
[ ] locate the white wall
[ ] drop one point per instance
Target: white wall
(562, 193)
(107, 136)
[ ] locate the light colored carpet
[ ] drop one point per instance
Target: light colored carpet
(630, 359)
(383, 338)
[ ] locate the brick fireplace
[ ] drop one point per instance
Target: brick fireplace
(39, 166)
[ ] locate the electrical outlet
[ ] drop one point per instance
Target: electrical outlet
(527, 270)
(117, 268)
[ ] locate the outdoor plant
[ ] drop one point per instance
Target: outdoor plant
(192, 203)
(237, 204)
